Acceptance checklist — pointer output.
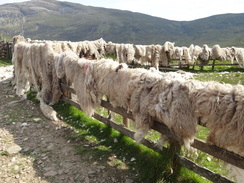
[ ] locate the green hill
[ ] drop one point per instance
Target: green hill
(55, 20)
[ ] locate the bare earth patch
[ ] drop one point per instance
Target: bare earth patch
(34, 149)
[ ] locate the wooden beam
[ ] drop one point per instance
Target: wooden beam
(219, 153)
(204, 172)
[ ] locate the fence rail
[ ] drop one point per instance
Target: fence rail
(201, 65)
(213, 150)
(178, 66)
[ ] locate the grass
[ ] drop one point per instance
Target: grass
(5, 62)
(2, 37)
(4, 153)
(224, 74)
(227, 76)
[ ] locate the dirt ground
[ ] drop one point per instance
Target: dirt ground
(34, 149)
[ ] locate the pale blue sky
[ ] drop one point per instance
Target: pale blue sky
(170, 9)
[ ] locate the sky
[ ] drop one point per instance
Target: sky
(181, 10)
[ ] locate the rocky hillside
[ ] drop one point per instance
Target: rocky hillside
(56, 20)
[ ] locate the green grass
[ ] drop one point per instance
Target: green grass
(230, 76)
(2, 37)
(111, 56)
(224, 74)
(4, 153)
(32, 96)
(5, 62)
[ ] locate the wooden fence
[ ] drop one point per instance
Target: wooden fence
(201, 65)
(5, 50)
(213, 150)
(177, 66)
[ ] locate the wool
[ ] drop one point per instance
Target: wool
(20, 67)
(65, 46)
(17, 39)
(100, 45)
(33, 66)
(36, 64)
(129, 53)
(110, 48)
(143, 54)
(236, 173)
(79, 72)
(47, 65)
(178, 53)
(170, 103)
(82, 49)
(120, 53)
(187, 56)
(222, 54)
(48, 111)
(149, 95)
(72, 46)
(169, 47)
(191, 50)
(140, 52)
(57, 47)
(174, 99)
(136, 89)
(108, 80)
(221, 107)
(205, 55)
(26, 63)
(196, 53)
(156, 55)
(238, 53)
(56, 89)
(92, 51)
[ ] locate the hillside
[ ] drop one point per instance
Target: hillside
(55, 20)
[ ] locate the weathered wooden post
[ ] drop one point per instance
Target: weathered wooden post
(213, 64)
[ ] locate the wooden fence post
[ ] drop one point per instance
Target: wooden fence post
(9, 55)
(213, 64)
(126, 122)
(65, 92)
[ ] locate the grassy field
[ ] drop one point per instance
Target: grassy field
(147, 165)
